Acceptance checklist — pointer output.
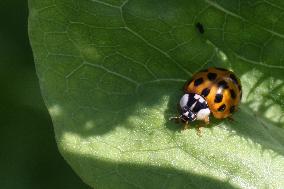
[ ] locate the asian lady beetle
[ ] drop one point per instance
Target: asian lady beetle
(213, 90)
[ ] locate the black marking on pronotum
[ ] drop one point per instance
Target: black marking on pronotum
(218, 98)
(232, 109)
(223, 84)
(198, 106)
(211, 76)
(205, 92)
(200, 27)
(198, 81)
(222, 108)
(233, 94)
(191, 100)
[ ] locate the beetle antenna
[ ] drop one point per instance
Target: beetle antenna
(171, 118)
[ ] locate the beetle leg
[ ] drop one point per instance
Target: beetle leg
(186, 126)
(177, 118)
(206, 120)
(199, 127)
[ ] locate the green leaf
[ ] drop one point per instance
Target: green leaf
(111, 73)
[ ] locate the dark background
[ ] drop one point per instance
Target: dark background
(28, 154)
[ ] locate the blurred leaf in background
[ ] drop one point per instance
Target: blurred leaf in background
(28, 153)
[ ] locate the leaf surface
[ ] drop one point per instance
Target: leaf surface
(111, 73)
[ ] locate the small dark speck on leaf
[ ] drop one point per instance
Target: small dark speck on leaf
(200, 27)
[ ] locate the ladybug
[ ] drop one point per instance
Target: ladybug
(213, 90)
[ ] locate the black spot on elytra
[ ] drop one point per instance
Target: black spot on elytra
(211, 76)
(234, 78)
(233, 94)
(218, 98)
(222, 69)
(205, 92)
(223, 84)
(198, 82)
(200, 27)
(232, 109)
(222, 108)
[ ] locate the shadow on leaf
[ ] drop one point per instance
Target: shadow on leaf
(104, 174)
